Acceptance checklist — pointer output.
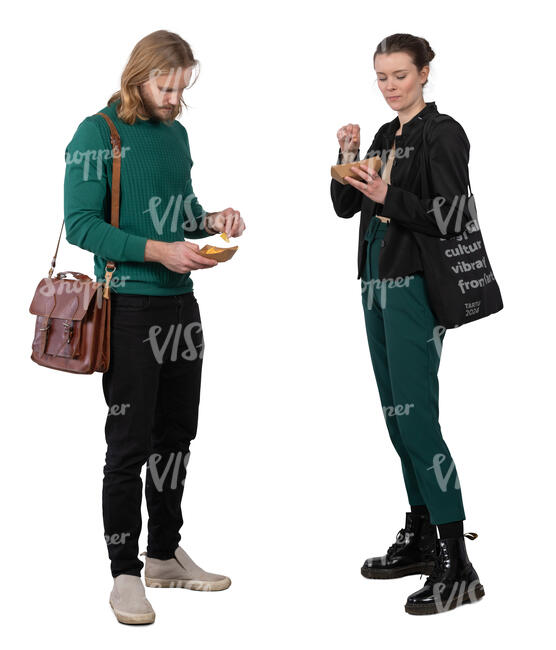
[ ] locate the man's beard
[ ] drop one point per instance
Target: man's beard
(155, 113)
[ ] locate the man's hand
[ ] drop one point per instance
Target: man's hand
(228, 221)
(179, 256)
(371, 184)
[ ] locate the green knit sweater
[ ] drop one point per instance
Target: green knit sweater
(157, 200)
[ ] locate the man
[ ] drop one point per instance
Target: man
(152, 386)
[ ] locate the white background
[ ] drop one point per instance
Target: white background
(293, 481)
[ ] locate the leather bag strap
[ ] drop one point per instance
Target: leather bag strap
(116, 169)
(115, 204)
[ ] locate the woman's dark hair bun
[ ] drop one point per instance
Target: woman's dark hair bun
(416, 46)
(428, 49)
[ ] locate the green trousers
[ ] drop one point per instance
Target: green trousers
(405, 342)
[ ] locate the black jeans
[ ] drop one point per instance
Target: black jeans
(152, 389)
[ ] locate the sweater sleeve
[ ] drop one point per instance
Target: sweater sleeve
(346, 198)
(87, 200)
(194, 214)
(437, 215)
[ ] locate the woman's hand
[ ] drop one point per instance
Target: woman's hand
(371, 184)
(349, 138)
(228, 221)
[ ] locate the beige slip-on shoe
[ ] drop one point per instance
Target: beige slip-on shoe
(180, 571)
(129, 602)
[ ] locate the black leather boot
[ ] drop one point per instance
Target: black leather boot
(412, 553)
(453, 582)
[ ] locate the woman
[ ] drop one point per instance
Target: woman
(404, 336)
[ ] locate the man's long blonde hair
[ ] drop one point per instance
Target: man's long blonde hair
(161, 52)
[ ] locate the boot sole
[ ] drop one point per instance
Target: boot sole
(374, 573)
(133, 619)
(431, 608)
(194, 585)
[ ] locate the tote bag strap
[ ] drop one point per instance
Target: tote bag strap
(115, 202)
(426, 129)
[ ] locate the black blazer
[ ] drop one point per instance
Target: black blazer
(447, 177)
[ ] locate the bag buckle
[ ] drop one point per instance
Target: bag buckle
(108, 273)
(68, 330)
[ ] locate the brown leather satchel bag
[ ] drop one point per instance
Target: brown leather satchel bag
(72, 331)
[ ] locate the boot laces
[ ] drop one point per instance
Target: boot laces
(438, 570)
(402, 538)
(440, 557)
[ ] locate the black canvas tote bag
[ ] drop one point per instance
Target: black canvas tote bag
(458, 276)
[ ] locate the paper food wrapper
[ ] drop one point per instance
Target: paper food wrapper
(339, 172)
(217, 253)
